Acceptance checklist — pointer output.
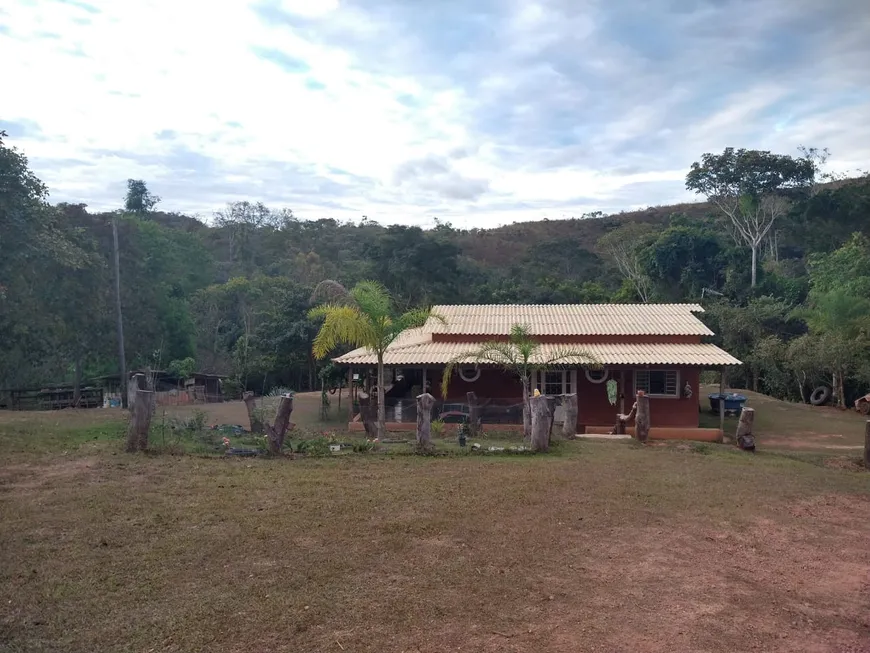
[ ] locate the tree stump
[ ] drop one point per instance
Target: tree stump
(140, 419)
(277, 431)
(569, 426)
(251, 405)
(745, 439)
(425, 402)
(641, 421)
(540, 440)
(473, 414)
(867, 445)
(368, 414)
(551, 408)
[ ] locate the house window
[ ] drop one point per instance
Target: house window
(554, 383)
(657, 383)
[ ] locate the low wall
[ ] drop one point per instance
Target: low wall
(666, 433)
(655, 433)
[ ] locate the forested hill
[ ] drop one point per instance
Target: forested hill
(232, 296)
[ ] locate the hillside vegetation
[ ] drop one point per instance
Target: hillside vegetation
(231, 296)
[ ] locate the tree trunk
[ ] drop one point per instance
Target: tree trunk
(801, 388)
(622, 420)
(551, 408)
(140, 402)
(641, 422)
(382, 407)
(569, 426)
(754, 263)
(527, 411)
(77, 385)
(277, 431)
(841, 391)
(867, 445)
(425, 402)
(745, 440)
(473, 415)
(251, 405)
(540, 438)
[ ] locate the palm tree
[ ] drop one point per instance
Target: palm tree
(520, 355)
(363, 316)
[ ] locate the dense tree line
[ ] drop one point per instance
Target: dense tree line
(233, 294)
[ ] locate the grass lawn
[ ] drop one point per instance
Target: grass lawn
(784, 425)
(601, 546)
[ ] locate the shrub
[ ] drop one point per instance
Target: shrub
(437, 428)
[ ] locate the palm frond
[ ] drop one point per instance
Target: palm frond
(373, 299)
(329, 291)
(496, 353)
(342, 325)
(563, 356)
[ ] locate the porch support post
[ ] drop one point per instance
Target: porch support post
(622, 391)
(350, 392)
(722, 400)
(425, 379)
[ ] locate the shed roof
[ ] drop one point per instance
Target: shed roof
(570, 319)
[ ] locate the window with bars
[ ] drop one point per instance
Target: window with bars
(658, 383)
(554, 383)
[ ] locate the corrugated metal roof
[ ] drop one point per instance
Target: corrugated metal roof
(434, 353)
(571, 319)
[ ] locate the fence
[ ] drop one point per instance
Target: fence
(490, 411)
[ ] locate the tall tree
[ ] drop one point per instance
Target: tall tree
(624, 245)
(139, 200)
(522, 355)
(363, 316)
(752, 189)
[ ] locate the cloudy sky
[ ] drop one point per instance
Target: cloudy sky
(480, 112)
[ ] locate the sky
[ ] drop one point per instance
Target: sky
(476, 112)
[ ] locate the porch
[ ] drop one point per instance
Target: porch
(673, 393)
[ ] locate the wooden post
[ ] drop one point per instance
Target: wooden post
(722, 400)
(551, 409)
(745, 439)
(569, 426)
(867, 445)
(425, 402)
(473, 414)
(641, 421)
(277, 431)
(621, 391)
(140, 403)
(349, 392)
(251, 405)
(540, 440)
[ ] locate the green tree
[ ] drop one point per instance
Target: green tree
(682, 261)
(139, 200)
(751, 188)
(522, 354)
(363, 316)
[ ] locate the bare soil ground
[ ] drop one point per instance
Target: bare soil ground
(604, 546)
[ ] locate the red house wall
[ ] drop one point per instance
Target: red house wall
(594, 408)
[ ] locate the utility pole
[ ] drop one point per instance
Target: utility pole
(122, 359)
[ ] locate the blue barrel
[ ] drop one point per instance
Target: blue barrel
(733, 403)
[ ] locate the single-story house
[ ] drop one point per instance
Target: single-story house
(657, 348)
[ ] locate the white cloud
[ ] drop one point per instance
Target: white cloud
(336, 110)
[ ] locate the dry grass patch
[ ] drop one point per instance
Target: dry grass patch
(605, 547)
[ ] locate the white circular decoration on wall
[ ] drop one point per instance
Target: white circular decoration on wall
(469, 374)
(597, 376)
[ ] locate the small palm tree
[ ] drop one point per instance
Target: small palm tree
(363, 316)
(520, 355)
